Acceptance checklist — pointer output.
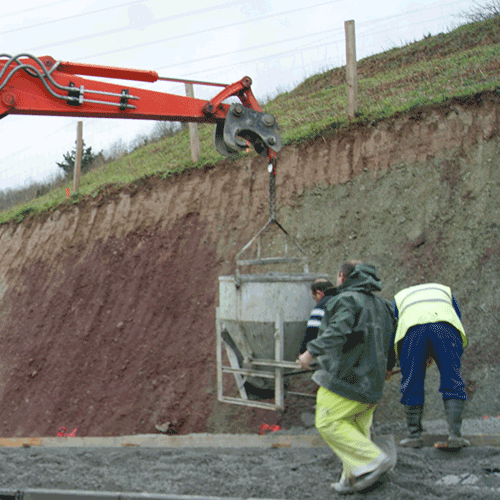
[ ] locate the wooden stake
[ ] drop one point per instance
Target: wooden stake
(351, 70)
(78, 159)
(193, 130)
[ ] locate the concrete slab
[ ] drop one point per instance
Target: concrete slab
(17, 442)
(273, 440)
(187, 441)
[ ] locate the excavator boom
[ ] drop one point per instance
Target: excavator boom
(44, 86)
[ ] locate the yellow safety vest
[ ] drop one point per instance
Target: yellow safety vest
(422, 304)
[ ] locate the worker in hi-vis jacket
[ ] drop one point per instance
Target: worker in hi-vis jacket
(430, 328)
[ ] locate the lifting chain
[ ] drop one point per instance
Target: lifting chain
(272, 187)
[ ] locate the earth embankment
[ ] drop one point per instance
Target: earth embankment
(107, 307)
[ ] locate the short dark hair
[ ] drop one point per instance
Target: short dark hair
(322, 285)
(348, 267)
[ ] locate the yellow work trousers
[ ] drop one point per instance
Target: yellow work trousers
(345, 426)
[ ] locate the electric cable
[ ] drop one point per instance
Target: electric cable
(31, 9)
(208, 30)
(232, 25)
(67, 18)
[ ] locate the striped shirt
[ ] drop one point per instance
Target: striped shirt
(314, 322)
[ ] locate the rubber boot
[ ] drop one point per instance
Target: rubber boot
(414, 422)
(453, 409)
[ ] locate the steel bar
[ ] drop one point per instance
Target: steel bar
(275, 363)
(49, 494)
(248, 402)
(196, 82)
(251, 373)
(269, 260)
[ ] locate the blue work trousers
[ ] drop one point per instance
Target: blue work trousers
(443, 343)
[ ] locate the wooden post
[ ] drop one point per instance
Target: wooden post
(352, 76)
(78, 159)
(193, 130)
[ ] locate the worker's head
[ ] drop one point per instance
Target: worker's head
(345, 270)
(319, 287)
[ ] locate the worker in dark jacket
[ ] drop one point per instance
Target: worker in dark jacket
(352, 349)
(321, 291)
(430, 328)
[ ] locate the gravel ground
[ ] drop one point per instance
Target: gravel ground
(280, 473)
(470, 426)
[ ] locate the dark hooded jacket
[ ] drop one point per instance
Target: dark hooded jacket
(354, 338)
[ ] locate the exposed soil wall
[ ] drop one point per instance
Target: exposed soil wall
(107, 312)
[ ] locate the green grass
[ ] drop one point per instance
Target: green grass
(456, 64)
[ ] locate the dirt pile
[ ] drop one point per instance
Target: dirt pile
(107, 312)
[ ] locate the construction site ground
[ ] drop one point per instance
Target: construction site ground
(282, 465)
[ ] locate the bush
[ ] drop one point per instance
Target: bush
(11, 197)
(482, 12)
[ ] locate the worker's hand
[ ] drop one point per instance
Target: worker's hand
(305, 360)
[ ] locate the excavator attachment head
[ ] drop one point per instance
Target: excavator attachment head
(245, 126)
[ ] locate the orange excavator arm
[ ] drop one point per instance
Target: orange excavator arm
(44, 86)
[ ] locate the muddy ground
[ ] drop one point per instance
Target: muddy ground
(293, 473)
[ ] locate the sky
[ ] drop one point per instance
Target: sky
(278, 43)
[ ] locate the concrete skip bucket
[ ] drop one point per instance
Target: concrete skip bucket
(261, 320)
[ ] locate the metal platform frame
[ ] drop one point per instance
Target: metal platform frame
(277, 368)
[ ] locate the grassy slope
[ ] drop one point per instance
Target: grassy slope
(459, 63)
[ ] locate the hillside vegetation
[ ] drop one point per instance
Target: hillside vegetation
(456, 64)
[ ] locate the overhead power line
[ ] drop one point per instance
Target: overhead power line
(209, 30)
(254, 47)
(227, 26)
(293, 51)
(31, 9)
(39, 140)
(90, 12)
(205, 10)
(98, 11)
(127, 28)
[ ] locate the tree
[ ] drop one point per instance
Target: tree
(88, 158)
